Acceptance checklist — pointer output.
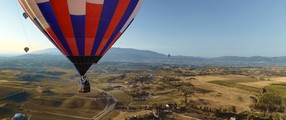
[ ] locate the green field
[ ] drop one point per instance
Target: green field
(100, 86)
(169, 97)
(234, 83)
(122, 98)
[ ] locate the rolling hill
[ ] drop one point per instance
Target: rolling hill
(146, 56)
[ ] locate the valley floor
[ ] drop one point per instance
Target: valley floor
(172, 92)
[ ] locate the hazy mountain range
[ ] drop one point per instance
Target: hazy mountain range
(146, 56)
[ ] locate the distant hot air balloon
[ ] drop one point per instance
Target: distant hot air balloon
(169, 55)
(83, 30)
(25, 15)
(26, 49)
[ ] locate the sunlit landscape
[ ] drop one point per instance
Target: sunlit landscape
(142, 60)
(45, 90)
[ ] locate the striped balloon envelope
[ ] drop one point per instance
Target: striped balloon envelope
(83, 30)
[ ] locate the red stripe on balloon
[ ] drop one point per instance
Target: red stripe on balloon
(113, 41)
(93, 13)
(56, 40)
(61, 11)
(119, 12)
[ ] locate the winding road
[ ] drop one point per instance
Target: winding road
(109, 107)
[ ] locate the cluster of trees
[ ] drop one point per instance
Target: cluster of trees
(141, 79)
(53, 73)
(136, 93)
(209, 111)
(169, 79)
(149, 116)
(270, 102)
(121, 106)
(262, 116)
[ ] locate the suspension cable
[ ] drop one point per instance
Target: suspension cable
(22, 24)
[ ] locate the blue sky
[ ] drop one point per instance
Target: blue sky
(206, 28)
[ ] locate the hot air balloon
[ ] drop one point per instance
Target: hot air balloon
(83, 30)
(26, 49)
(25, 15)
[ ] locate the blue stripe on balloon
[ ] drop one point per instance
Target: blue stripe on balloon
(132, 5)
(51, 19)
(127, 26)
(78, 24)
(109, 7)
(110, 41)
